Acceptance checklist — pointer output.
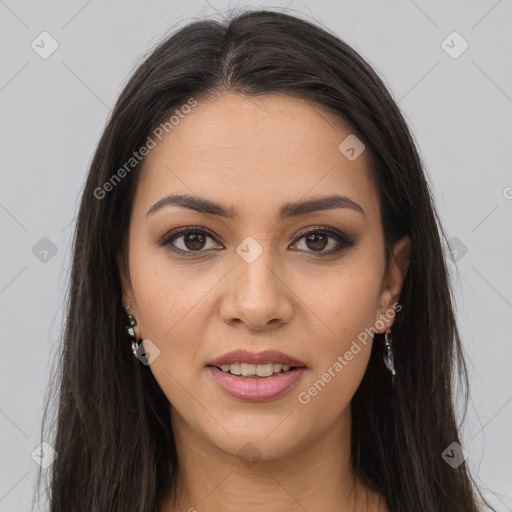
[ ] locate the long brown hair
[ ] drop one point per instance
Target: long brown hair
(112, 430)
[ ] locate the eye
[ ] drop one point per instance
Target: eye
(316, 240)
(191, 239)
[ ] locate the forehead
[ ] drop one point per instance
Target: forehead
(256, 153)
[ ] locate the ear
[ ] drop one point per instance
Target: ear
(393, 282)
(128, 297)
(126, 285)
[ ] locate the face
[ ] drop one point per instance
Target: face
(304, 282)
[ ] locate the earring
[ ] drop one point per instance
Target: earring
(388, 356)
(135, 343)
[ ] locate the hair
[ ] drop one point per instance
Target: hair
(112, 430)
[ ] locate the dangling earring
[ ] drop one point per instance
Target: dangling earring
(131, 331)
(388, 356)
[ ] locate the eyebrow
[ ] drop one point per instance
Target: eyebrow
(209, 207)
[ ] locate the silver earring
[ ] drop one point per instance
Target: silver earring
(388, 356)
(131, 331)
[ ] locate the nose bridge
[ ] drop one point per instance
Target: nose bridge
(253, 272)
(256, 294)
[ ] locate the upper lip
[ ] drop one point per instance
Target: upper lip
(245, 356)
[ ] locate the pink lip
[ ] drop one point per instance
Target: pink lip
(256, 389)
(244, 356)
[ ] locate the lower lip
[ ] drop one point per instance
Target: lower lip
(257, 389)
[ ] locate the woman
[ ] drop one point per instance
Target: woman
(259, 311)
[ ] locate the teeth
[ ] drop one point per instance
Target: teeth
(235, 369)
(248, 369)
(264, 370)
(261, 370)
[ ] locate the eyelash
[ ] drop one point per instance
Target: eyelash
(343, 240)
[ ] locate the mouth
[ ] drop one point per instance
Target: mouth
(256, 377)
(249, 359)
(256, 371)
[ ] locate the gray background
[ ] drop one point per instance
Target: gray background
(53, 111)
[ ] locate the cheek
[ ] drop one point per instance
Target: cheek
(168, 294)
(169, 305)
(172, 305)
(346, 306)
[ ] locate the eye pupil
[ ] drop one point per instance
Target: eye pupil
(194, 239)
(313, 238)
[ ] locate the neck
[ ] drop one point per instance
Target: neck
(316, 476)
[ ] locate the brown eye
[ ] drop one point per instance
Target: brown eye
(194, 241)
(317, 240)
(188, 240)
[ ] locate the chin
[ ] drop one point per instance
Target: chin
(253, 441)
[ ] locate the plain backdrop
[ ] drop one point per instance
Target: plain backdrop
(455, 91)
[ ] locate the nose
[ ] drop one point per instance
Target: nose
(257, 295)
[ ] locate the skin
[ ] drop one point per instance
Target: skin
(257, 154)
